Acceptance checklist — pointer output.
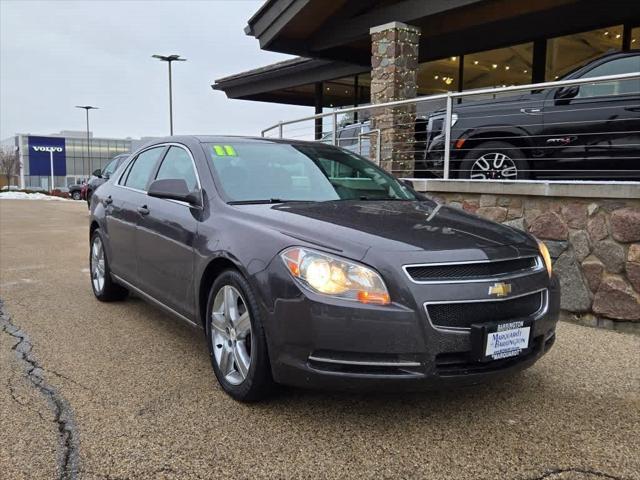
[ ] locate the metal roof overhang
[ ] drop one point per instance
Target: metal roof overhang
(339, 29)
(292, 81)
(335, 35)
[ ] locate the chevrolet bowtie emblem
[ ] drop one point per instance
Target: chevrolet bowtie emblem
(500, 289)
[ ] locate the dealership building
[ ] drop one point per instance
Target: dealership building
(436, 46)
(72, 156)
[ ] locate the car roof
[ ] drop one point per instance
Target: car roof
(229, 139)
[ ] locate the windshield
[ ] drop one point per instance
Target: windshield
(282, 172)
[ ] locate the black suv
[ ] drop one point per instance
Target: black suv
(590, 131)
(100, 176)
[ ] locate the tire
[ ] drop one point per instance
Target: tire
(105, 290)
(237, 344)
(503, 161)
(76, 195)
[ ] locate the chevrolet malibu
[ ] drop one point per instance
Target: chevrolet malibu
(306, 264)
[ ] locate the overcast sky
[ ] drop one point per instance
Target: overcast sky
(55, 54)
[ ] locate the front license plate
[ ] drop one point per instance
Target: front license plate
(508, 340)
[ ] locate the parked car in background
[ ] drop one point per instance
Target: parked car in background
(75, 191)
(591, 131)
(102, 175)
(308, 265)
(358, 138)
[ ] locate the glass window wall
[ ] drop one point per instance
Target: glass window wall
(565, 54)
(499, 68)
(439, 76)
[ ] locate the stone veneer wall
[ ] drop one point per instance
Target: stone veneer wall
(595, 244)
(394, 66)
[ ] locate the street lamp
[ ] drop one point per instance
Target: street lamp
(169, 59)
(87, 108)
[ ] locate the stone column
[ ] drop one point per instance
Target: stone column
(394, 64)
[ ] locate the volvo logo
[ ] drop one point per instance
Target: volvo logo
(48, 149)
(500, 289)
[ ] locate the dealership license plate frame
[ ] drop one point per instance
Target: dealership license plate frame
(481, 333)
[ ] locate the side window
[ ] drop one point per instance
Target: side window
(109, 169)
(348, 136)
(614, 67)
(142, 168)
(177, 164)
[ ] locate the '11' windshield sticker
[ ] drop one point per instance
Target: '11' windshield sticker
(224, 150)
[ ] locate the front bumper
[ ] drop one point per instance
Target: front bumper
(316, 342)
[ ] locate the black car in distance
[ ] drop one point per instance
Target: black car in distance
(102, 175)
(591, 131)
(308, 265)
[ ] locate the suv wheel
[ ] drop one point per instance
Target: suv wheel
(75, 195)
(104, 288)
(495, 161)
(236, 340)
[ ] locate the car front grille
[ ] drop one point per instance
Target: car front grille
(464, 314)
(472, 271)
(462, 363)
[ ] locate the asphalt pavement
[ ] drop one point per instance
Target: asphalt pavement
(123, 391)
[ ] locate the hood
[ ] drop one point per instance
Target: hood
(357, 226)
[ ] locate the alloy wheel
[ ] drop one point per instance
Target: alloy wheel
(97, 264)
(494, 166)
(231, 334)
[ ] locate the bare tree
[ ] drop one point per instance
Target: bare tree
(9, 163)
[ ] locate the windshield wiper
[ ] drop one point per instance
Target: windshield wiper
(265, 201)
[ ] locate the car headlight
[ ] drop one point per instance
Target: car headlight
(544, 251)
(336, 277)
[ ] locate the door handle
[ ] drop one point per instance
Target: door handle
(108, 200)
(143, 210)
(531, 111)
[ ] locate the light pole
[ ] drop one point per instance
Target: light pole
(87, 108)
(51, 167)
(169, 59)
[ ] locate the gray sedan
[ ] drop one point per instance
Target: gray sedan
(308, 265)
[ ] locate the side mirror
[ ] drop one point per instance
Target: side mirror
(97, 173)
(174, 189)
(566, 93)
(407, 183)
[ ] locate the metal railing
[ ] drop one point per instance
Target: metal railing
(543, 134)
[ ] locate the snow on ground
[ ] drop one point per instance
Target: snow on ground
(30, 196)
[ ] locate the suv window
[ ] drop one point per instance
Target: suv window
(140, 172)
(110, 168)
(177, 164)
(349, 136)
(614, 67)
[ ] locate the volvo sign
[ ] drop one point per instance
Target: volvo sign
(48, 149)
(47, 157)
